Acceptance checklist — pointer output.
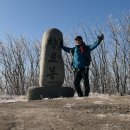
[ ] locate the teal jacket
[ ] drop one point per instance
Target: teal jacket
(80, 59)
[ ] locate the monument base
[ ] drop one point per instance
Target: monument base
(38, 93)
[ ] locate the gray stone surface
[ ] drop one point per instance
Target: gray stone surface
(37, 93)
(51, 62)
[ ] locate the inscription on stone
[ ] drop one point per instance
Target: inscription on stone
(51, 62)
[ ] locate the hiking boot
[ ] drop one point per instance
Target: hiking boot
(86, 94)
(80, 94)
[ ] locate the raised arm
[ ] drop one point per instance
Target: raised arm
(66, 49)
(93, 46)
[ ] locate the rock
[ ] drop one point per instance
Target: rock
(34, 93)
(51, 62)
(38, 93)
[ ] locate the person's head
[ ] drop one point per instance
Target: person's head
(78, 40)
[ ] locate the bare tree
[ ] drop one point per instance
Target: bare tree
(121, 43)
(68, 80)
(19, 64)
(109, 69)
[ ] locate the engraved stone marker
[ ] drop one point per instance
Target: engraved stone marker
(51, 76)
(51, 62)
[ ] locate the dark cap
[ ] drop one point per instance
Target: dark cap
(78, 38)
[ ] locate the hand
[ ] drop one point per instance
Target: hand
(100, 38)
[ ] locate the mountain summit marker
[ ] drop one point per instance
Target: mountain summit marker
(51, 76)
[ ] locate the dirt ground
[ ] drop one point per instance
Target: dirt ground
(87, 113)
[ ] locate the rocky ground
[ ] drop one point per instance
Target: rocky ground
(88, 113)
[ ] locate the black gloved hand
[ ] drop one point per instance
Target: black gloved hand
(100, 38)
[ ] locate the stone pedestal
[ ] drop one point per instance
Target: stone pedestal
(37, 93)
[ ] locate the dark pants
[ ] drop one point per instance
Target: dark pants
(79, 74)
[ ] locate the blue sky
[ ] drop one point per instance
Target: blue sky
(31, 18)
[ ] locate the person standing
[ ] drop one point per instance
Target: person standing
(81, 62)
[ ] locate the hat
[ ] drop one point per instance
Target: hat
(78, 38)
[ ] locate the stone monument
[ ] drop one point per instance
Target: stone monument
(51, 76)
(51, 62)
